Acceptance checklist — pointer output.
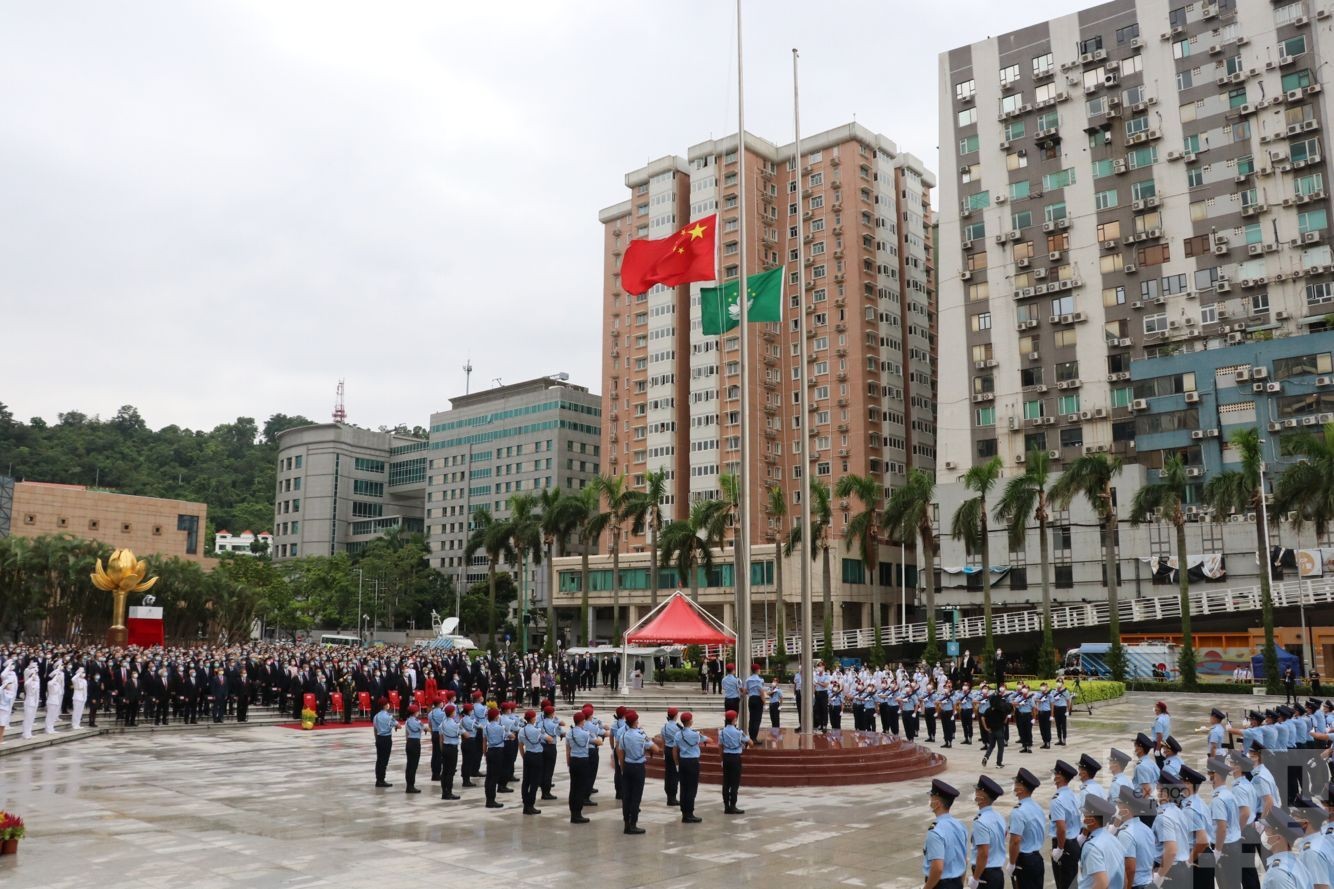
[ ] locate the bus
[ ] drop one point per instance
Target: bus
(336, 639)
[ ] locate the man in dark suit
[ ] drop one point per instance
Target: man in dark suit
(217, 694)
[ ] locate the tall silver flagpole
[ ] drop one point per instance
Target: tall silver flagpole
(742, 579)
(806, 717)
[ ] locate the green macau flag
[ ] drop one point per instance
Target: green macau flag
(719, 309)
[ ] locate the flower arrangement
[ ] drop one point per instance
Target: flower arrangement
(308, 717)
(11, 826)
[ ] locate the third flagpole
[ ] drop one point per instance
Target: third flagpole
(742, 537)
(805, 718)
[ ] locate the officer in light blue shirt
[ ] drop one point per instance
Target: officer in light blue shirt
(433, 721)
(494, 737)
(1284, 869)
(1315, 850)
(1117, 760)
(731, 689)
(532, 739)
(989, 843)
(732, 741)
(688, 741)
(670, 779)
(1171, 756)
(578, 742)
(1064, 820)
(412, 748)
(1224, 824)
(1135, 836)
(1101, 859)
(1217, 732)
(835, 705)
(945, 855)
(451, 735)
(1146, 770)
(633, 749)
(754, 689)
(551, 727)
(1029, 823)
(470, 752)
(384, 726)
(1162, 726)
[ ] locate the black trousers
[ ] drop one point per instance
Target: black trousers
(1024, 722)
(449, 760)
(775, 708)
(532, 778)
(931, 724)
(689, 773)
(383, 744)
(1029, 870)
(511, 759)
(578, 785)
(632, 789)
(1044, 727)
(1202, 871)
(756, 705)
(548, 767)
(1228, 870)
(733, 704)
(671, 780)
(947, 727)
(413, 748)
(731, 779)
(950, 883)
(591, 776)
(997, 743)
(495, 767)
(992, 878)
(836, 717)
(220, 708)
(1066, 870)
(891, 715)
(820, 712)
(1058, 715)
(437, 756)
(966, 721)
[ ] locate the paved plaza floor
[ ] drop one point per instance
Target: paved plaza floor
(266, 806)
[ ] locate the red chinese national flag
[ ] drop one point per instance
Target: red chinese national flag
(679, 259)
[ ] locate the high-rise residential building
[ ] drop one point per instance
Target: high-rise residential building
(1128, 181)
(1134, 249)
(341, 486)
(528, 437)
(672, 395)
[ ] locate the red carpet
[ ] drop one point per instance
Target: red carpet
(356, 723)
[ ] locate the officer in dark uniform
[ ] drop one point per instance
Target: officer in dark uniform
(945, 854)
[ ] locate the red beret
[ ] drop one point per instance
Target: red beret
(548, 709)
(449, 709)
(731, 667)
(492, 712)
(529, 715)
(631, 716)
(730, 715)
(509, 705)
(754, 668)
(687, 716)
(381, 701)
(620, 712)
(477, 696)
(412, 708)
(449, 695)
(588, 708)
(578, 716)
(671, 712)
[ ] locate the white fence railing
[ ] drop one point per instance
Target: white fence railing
(1204, 601)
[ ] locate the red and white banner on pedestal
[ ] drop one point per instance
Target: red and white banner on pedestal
(145, 625)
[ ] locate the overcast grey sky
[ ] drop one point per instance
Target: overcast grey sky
(211, 210)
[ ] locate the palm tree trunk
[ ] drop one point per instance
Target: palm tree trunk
(491, 609)
(1044, 555)
(876, 605)
(989, 640)
(932, 652)
(1270, 653)
(827, 608)
(585, 632)
(523, 602)
(1116, 657)
(780, 646)
(551, 601)
(1186, 658)
(694, 582)
(653, 570)
(615, 586)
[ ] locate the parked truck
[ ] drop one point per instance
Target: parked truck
(1146, 660)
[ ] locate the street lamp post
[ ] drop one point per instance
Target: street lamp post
(360, 573)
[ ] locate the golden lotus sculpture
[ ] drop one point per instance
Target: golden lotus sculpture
(123, 575)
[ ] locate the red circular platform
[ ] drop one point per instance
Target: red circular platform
(784, 758)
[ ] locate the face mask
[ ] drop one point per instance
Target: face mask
(1270, 842)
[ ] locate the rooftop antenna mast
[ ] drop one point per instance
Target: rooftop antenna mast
(467, 376)
(340, 412)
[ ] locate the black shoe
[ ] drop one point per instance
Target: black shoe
(734, 811)
(578, 819)
(594, 790)
(468, 784)
(383, 784)
(451, 796)
(618, 796)
(690, 819)
(531, 811)
(1045, 747)
(985, 757)
(504, 790)
(412, 790)
(673, 803)
(588, 803)
(548, 796)
(999, 764)
(435, 777)
(630, 829)
(946, 746)
(495, 805)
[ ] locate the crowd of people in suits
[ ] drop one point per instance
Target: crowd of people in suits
(215, 683)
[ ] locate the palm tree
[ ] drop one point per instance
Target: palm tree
(778, 510)
(863, 531)
(554, 531)
(645, 512)
(970, 526)
(908, 514)
(524, 529)
(1091, 477)
(492, 537)
(581, 512)
(1307, 487)
(689, 543)
(1027, 496)
(1241, 491)
(822, 517)
(1165, 499)
(613, 490)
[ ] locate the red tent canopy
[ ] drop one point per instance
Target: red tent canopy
(680, 622)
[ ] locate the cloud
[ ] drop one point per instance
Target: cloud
(220, 210)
